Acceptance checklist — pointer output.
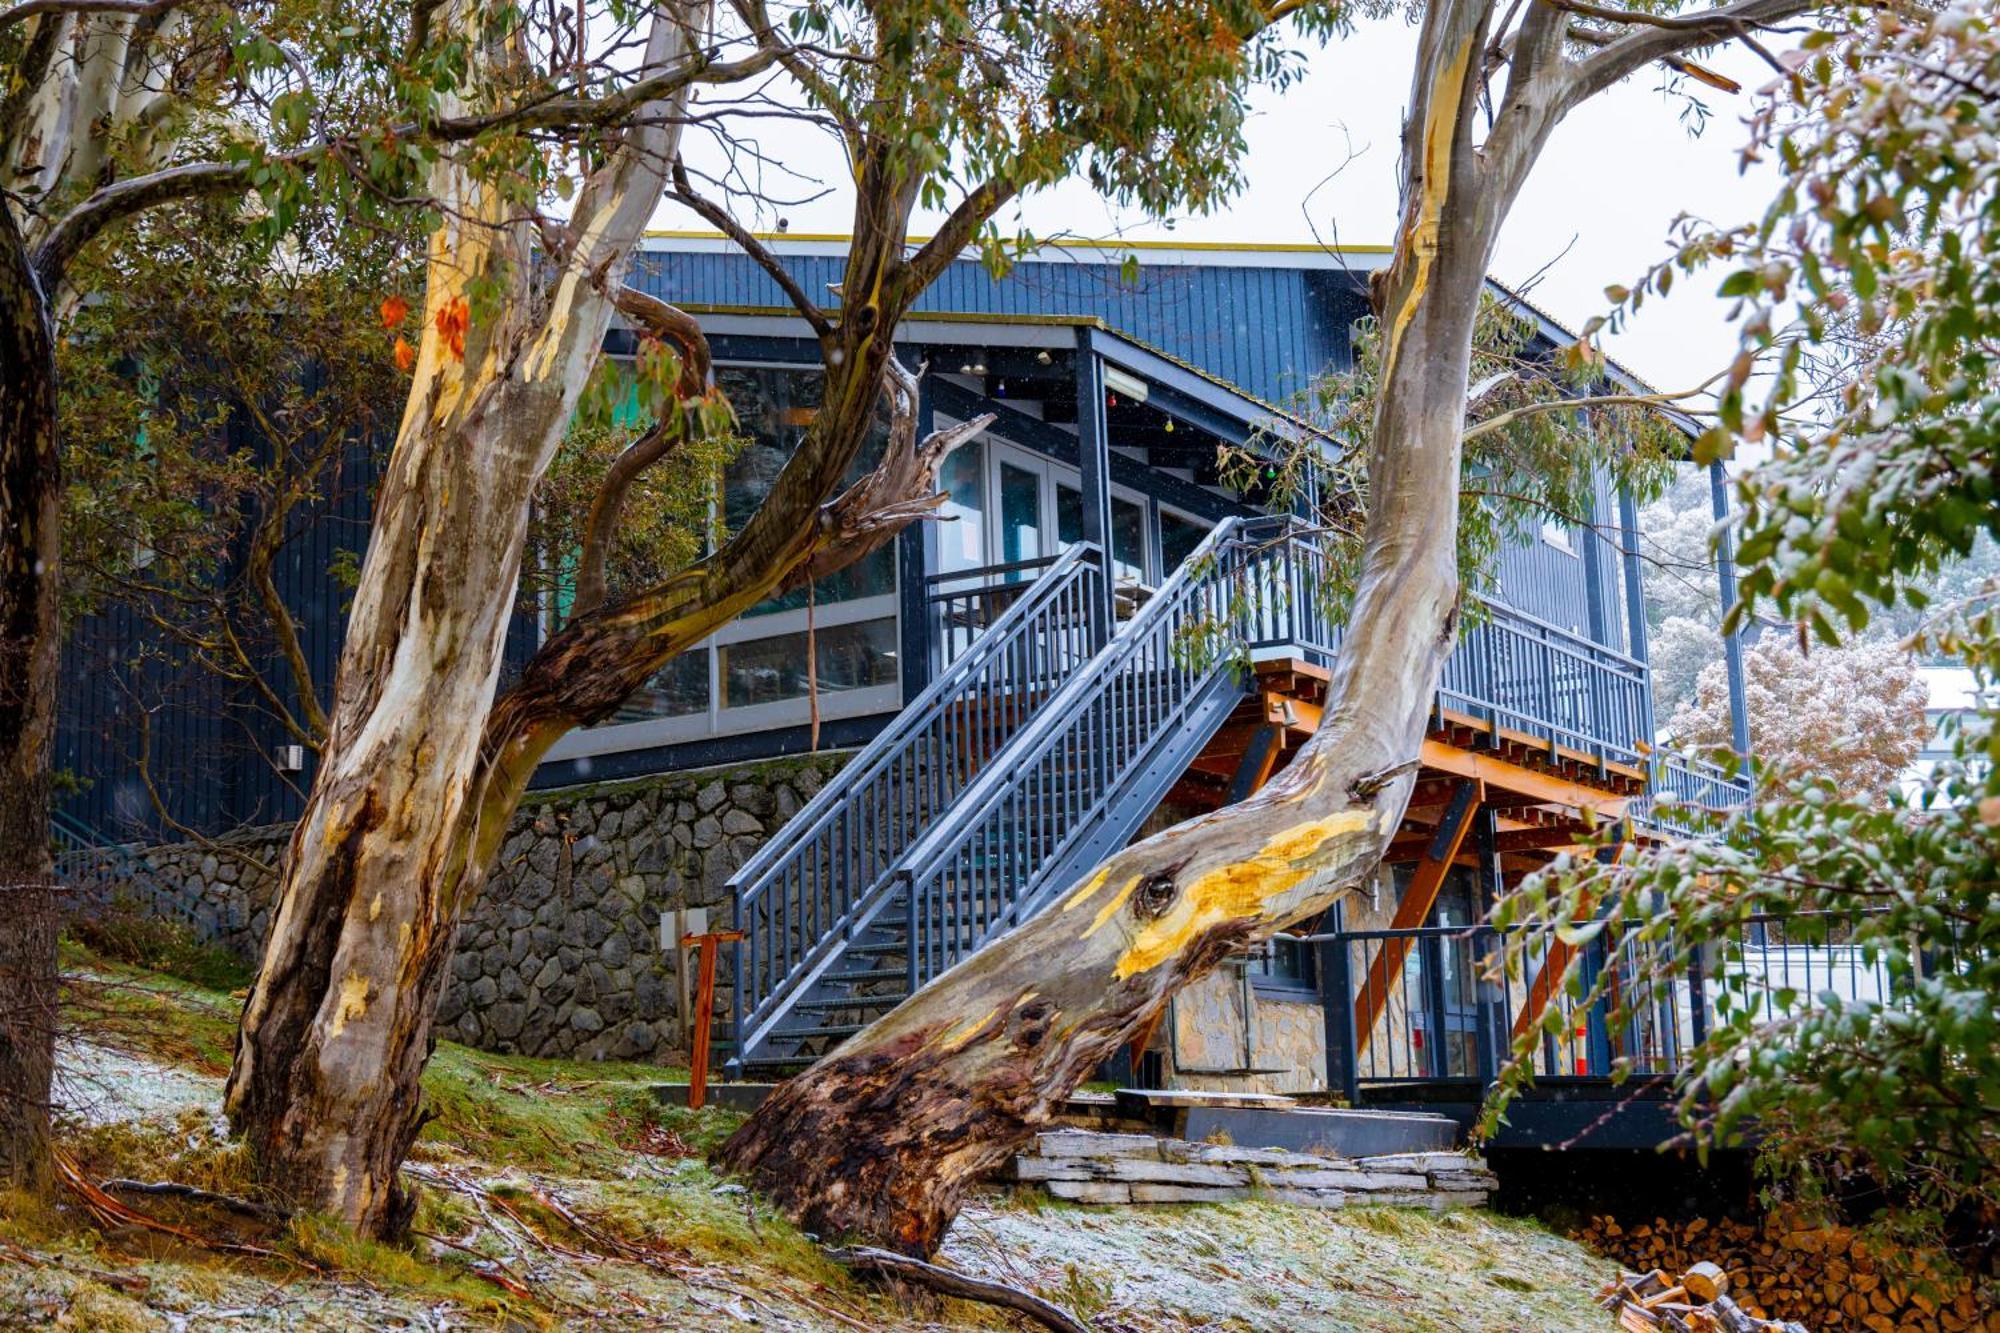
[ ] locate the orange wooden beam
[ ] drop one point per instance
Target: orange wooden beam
(1500, 775)
(1543, 988)
(1387, 969)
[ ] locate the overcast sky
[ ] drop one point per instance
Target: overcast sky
(1596, 211)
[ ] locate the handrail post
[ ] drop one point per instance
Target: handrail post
(1493, 1025)
(910, 942)
(1337, 1002)
(1431, 950)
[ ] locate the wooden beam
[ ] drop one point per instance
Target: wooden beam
(1539, 839)
(1516, 780)
(1387, 969)
(1259, 758)
(1550, 974)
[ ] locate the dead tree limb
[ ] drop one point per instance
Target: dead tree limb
(962, 1285)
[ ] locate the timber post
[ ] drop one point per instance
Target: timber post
(704, 1011)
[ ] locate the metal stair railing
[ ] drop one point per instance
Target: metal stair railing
(806, 889)
(989, 867)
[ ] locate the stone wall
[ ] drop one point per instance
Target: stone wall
(1210, 1047)
(562, 954)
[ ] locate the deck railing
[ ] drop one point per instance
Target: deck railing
(803, 889)
(1450, 1017)
(1687, 796)
(1513, 671)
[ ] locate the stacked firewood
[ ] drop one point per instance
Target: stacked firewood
(1781, 1269)
(1698, 1302)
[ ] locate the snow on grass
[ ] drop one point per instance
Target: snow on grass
(96, 1085)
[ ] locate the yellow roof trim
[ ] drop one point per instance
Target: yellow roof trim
(1220, 247)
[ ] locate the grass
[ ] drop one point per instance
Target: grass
(125, 933)
(518, 1142)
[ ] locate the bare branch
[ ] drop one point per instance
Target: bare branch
(719, 217)
(1667, 38)
(900, 490)
(28, 9)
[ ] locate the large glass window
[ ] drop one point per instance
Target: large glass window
(962, 526)
(1178, 538)
(1128, 531)
(760, 659)
(678, 689)
(775, 408)
(851, 657)
(1020, 514)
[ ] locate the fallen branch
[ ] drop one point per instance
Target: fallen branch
(960, 1285)
(263, 1212)
(111, 1214)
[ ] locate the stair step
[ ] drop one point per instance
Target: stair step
(868, 974)
(808, 1034)
(849, 1002)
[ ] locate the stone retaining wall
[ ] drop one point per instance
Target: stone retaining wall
(561, 955)
(1139, 1168)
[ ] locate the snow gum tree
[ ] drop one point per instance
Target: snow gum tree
(962, 108)
(880, 1138)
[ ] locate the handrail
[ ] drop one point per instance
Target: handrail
(805, 888)
(1017, 823)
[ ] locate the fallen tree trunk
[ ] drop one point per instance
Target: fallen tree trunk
(880, 1139)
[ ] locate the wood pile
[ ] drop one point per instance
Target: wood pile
(1698, 1303)
(1825, 1278)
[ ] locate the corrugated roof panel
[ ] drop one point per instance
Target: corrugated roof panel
(1256, 327)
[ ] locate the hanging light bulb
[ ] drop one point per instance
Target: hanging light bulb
(1170, 425)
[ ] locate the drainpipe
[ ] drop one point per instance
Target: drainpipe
(1725, 581)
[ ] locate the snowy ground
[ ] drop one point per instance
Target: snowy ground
(695, 1252)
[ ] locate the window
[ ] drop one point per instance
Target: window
(1557, 534)
(1178, 538)
(1128, 531)
(752, 673)
(1284, 965)
(850, 657)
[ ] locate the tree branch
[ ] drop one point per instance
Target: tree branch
(958, 230)
(898, 491)
(121, 199)
(28, 9)
(1658, 37)
(1505, 419)
(719, 217)
(961, 1285)
(756, 15)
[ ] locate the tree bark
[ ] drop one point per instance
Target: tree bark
(30, 553)
(880, 1139)
(326, 1082)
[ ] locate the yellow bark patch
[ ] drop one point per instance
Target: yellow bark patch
(1440, 126)
(1237, 890)
(962, 1032)
(375, 908)
(1090, 886)
(353, 1002)
(1110, 909)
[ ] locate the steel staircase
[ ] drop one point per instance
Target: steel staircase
(1027, 761)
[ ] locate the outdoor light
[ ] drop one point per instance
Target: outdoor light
(1043, 358)
(1130, 385)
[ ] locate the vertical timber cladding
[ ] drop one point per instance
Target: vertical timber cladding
(562, 955)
